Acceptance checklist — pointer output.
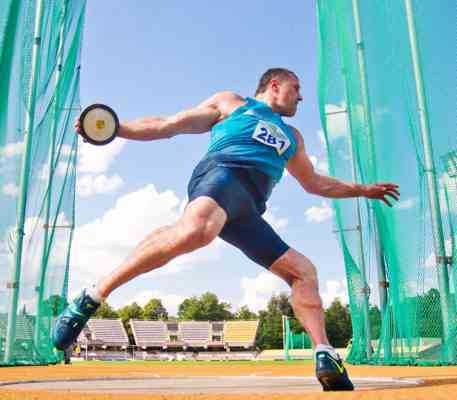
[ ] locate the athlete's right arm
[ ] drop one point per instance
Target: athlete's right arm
(199, 119)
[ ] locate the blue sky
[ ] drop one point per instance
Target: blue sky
(156, 58)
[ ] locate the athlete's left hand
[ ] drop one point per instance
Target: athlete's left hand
(381, 191)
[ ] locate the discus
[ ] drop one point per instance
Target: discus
(99, 124)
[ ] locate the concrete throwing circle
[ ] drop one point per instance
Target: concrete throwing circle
(208, 384)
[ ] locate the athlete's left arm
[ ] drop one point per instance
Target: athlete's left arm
(300, 166)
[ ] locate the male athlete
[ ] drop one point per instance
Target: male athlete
(250, 147)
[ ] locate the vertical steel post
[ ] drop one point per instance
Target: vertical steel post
(362, 264)
(380, 262)
(24, 182)
(44, 258)
(432, 186)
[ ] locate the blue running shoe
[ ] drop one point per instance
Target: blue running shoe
(72, 320)
(331, 373)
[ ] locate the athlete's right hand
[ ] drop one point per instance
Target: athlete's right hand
(77, 126)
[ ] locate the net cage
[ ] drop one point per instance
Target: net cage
(388, 108)
(40, 43)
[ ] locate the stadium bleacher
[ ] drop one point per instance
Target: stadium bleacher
(110, 332)
(195, 333)
(217, 335)
(149, 333)
(240, 333)
(169, 340)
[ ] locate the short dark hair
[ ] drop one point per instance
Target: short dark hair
(273, 73)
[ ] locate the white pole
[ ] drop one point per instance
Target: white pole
(380, 263)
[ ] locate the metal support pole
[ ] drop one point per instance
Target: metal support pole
(45, 253)
(366, 288)
(358, 229)
(24, 182)
(432, 186)
(380, 262)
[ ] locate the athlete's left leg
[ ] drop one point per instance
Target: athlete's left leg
(256, 238)
(300, 274)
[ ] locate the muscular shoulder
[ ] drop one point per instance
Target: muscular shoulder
(298, 136)
(225, 102)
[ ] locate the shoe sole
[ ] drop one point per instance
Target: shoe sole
(332, 382)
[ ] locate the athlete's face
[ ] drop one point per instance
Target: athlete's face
(287, 95)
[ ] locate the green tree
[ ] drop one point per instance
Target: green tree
(154, 310)
(374, 315)
(270, 335)
(245, 314)
(54, 305)
(204, 308)
(429, 307)
(106, 311)
(132, 311)
(338, 324)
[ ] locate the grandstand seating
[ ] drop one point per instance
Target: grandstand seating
(110, 332)
(195, 333)
(24, 326)
(217, 335)
(149, 333)
(240, 333)
(168, 340)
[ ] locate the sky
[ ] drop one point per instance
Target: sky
(148, 58)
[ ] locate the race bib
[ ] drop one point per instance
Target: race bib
(271, 135)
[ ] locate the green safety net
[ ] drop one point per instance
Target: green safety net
(293, 340)
(40, 45)
(401, 271)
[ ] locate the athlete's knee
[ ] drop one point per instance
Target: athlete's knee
(198, 231)
(294, 268)
(198, 234)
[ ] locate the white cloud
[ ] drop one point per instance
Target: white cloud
(10, 189)
(101, 245)
(332, 290)
(11, 150)
(65, 150)
(337, 123)
(90, 185)
(32, 253)
(430, 261)
(320, 165)
(319, 214)
(407, 203)
(258, 291)
(61, 170)
(276, 222)
(97, 159)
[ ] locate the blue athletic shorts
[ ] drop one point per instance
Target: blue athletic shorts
(242, 192)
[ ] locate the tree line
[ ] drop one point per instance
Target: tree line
(208, 307)
(426, 308)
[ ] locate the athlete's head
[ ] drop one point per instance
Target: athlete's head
(280, 88)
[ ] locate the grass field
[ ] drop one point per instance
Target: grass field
(439, 382)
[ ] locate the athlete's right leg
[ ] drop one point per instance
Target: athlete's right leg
(201, 222)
